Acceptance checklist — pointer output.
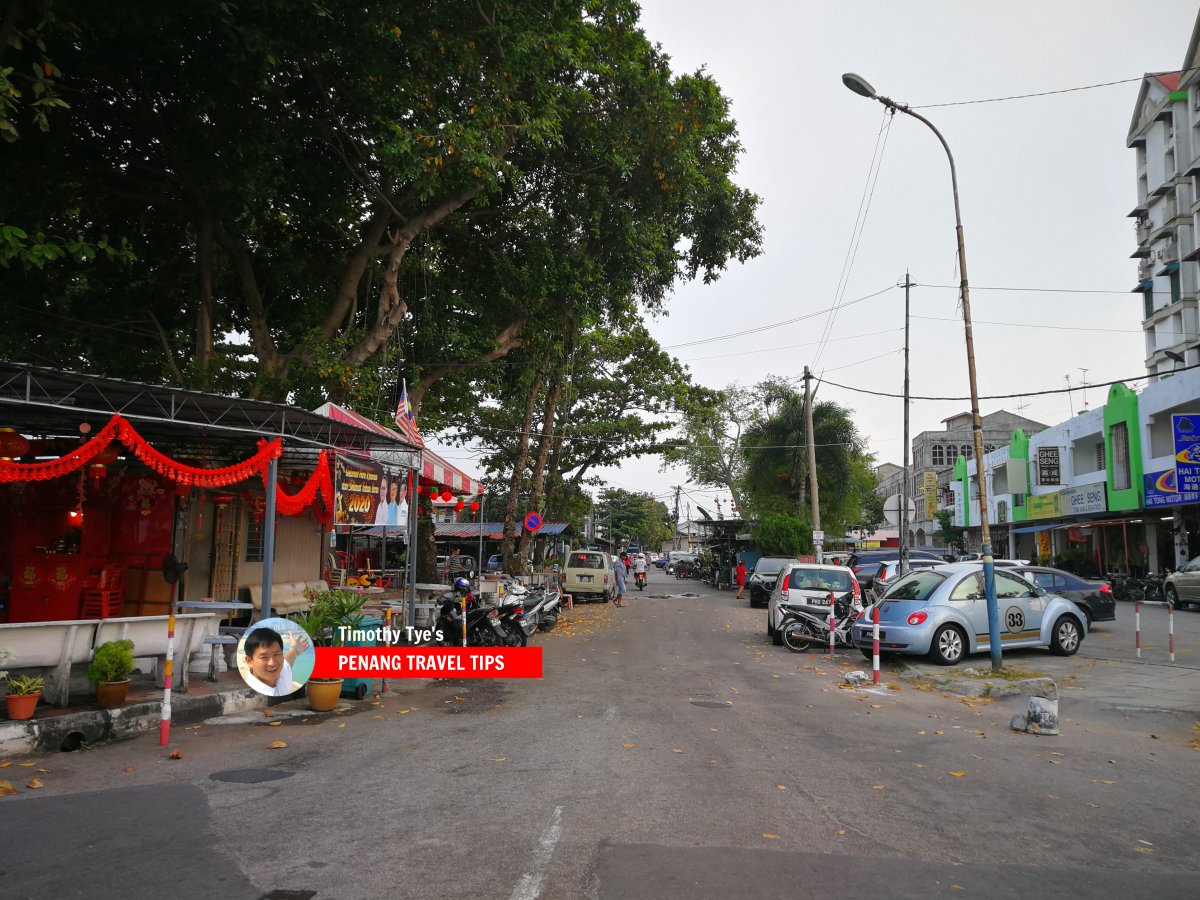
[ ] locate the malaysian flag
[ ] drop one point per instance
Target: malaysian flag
(406, 421)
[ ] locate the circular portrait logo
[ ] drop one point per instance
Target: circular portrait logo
(275, 657)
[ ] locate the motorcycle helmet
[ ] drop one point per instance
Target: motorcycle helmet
(462, 584)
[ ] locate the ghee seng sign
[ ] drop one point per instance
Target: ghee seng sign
(356, 484)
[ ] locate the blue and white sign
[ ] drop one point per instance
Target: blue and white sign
(1186, 430)
(1083, 501)
(1161, 490)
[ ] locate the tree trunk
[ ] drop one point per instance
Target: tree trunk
(272, 365)
(204, 308)
(506, 341)
(553, 392)
(511, 560)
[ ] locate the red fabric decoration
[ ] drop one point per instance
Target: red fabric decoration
(320, 483)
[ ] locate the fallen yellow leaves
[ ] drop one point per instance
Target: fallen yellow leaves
(878, 787)
(959, 774)
(35, 783)
(5, 764)
(341, 724)
(272, 724)
(176, 754)
(629, 746)
(27, 765)
(499, 759)
(276, 745)
(676, 750)
(6, 788)
(782, 787)
(771, 837)
(128, 769)
(918, 765)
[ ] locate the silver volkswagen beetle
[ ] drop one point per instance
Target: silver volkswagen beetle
(942, 612)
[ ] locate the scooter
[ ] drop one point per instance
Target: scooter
(640, 579)
(484, 627)
(801, 630)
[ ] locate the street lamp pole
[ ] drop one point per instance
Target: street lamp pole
(861, 86)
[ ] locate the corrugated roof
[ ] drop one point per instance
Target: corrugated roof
(491, 530)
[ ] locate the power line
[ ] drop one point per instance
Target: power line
(1053, 327)
(1085, 87)
(851, 337)
(858, 390)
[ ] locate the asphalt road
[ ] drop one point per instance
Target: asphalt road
(669, 751)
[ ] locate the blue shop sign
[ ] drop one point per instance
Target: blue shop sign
(1161, 490)
(1186, 430)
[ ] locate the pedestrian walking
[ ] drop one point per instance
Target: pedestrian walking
(619, 571)
(740, 575)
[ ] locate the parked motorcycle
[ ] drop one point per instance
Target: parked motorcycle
(801, 630)
(484, 627)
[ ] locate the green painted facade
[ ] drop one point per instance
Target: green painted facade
(960, 474)
(1122, 408)
(1019, 449)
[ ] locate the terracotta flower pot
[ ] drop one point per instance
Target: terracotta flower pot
(323, 695)
(21, 706)
(111, 694)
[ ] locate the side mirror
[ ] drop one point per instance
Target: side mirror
(1041, 591)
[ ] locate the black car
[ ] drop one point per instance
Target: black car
(762, 580)
(865, 564)
(1093, 595)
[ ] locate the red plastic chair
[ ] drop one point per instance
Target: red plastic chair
(105, 599)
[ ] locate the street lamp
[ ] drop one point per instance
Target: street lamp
(861, 86)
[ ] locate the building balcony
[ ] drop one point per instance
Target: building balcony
(1139, 211)
(1165, 188)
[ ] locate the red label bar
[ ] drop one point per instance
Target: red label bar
(428, 662)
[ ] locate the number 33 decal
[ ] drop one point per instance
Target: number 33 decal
(1014, 618)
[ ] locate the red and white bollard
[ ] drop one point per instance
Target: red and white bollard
(1137, 627)
(875, 644)
(832, 637)
(1171, 627)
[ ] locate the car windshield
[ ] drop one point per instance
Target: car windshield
(768, 566)
(586, 561)
(821, 580)
(917, 586)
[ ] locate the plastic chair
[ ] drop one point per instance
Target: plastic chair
(105, 599)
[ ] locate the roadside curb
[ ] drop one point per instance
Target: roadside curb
(75, 730)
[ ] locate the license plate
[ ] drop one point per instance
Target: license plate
(817, 601)
(587, 579)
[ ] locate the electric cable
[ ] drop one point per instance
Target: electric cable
(1085, 87)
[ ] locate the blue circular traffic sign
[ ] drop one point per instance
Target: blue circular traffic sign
(533, 521)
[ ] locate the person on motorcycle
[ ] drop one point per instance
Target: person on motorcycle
(639, 569)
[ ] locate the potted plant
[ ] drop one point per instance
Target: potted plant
(109, 671)
(327, 613)
(23, 691)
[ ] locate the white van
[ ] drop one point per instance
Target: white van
(588, 575)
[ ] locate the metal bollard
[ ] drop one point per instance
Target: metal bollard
(1171, 627)
(1137, 627)
(832, 637)
(875, 645)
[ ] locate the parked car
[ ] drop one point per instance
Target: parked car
(588, 575)
(761, 581)
(942, 612)
(661, 562)
(1093, 595)
(806, 587)
(889, 571)
(495, 563)
(1183, 587)
(865, 563)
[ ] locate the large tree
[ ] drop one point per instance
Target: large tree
(709, 442)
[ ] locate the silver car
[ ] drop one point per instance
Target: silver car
(942, 612)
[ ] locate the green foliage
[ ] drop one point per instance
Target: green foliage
(112, 661)
(328, 612)
(635, 517)
(25, 684)
(709, 444)
(1074, 560)
(782, 535)
(952, 535)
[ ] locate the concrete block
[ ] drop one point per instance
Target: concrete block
(856, 677)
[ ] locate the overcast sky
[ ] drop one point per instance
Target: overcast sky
(1045, 184)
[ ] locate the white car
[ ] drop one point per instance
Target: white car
(806, 587)
(889, 571)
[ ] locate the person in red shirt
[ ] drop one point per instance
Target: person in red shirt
(740, 574)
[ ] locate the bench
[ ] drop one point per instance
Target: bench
(60, 645)
(286, 596)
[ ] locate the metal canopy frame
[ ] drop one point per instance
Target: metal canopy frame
(42, 401)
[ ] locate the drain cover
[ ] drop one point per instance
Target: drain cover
(711, 704)
(250, 776)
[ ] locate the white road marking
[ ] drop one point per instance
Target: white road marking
(530, 884)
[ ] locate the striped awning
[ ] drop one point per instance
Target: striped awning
(436, 472)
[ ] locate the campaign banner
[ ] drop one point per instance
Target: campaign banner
(1186, 431)
(1044, 506)
(428, 662)
(359, 490)
(931, 489)
(1161, 489)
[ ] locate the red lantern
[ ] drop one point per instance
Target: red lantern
(419, 490)
(458, 507)
(222, 499)
(447, 496)
(97, 471)
(12, 444)
(474, 506)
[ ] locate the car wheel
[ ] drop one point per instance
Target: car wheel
(1065, 639)
(948, 646)
(1173, 598)
(869, 654)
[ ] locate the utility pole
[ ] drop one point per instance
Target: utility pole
(1070, 399)
(1085, 387)
(907, 477)
(818, 535)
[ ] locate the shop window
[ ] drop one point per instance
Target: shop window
(938, 455)
(966, 452)
(1100, 457)
(256, 537)
(1119, 435)
(1176, 291)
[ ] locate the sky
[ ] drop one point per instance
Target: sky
(1045, 185)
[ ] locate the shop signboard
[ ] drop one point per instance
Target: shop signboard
(931, 495)
(1186, 430)
(1084, 500)
(1161, 489)
(959, 506)
(1049, 465)
(1045, 506)
(358, 491)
